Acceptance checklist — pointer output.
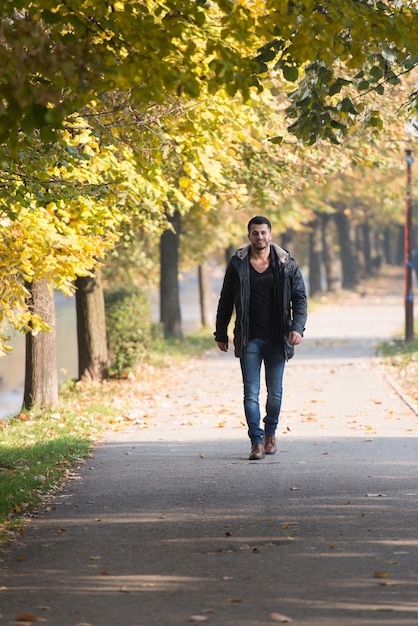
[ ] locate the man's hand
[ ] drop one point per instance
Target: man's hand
(223, 346)
(295, 338)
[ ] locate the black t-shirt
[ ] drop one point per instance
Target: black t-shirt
(261, 302)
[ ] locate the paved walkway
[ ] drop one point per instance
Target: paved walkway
(170, 523)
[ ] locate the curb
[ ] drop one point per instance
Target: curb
(404, 396)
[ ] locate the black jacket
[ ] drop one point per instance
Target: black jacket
(290, 298)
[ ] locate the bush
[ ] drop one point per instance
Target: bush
(129, 327)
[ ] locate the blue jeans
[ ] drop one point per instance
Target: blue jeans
(259, 351)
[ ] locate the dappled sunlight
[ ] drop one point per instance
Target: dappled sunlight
(209, 534)
(365, 606)
(107, 583)
(170, 517)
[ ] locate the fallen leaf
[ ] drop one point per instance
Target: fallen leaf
(282, 619)
(23, 417)
(376, 495)
(202, 456)
(27, 617)
(381, 575)
(234, 599)
(198, 618)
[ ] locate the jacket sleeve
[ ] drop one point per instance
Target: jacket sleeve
(225, 304)
(299, 302)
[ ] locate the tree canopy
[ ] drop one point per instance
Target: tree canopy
(57, 56)
(112, 113)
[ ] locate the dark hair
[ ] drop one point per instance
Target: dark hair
(258, 219)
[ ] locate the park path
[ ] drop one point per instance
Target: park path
(169, 522)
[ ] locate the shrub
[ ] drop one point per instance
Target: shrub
(129, 327)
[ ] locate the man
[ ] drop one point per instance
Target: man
(265, 286)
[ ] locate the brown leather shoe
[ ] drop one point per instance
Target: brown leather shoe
(257, 452)
(270, 445)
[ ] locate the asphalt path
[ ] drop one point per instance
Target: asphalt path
(169, 522)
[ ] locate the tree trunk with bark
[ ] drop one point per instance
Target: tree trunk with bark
(329, 256)
(204, 295)
(170, 315)
(315, 257)
(387, 246)
(41, 379)
(286, 239)
(229, 253)
(400, 246)
(91, 329)
(349, 261)
(367, 248)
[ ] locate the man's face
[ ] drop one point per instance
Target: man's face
(259, 236)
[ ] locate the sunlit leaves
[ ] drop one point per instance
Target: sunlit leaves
(153, 49)
(61, 211)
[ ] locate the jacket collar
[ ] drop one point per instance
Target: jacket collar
(282, 254)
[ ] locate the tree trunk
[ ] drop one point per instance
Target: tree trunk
(229, 253)
(41, 379)
(315, 257)
(349, 262)
(91, 329)
(286, 239)
(170, 315)
(387, 246)
(367, 248)
(329, 257)
(400, 246)
(204, 295)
